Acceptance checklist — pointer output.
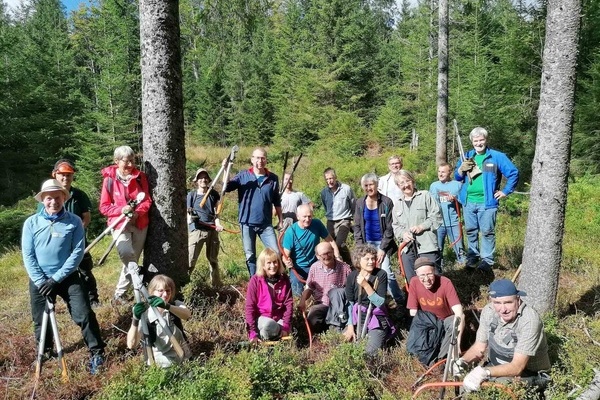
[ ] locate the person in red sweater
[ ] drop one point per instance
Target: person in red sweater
(269, 303)
(122, 183)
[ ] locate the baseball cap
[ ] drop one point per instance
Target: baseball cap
(503, 288)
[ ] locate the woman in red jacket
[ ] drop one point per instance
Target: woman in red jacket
(122, 183)
(269, 304)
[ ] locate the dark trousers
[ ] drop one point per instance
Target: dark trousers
(339, 231)
(87, 277)
(72, 292)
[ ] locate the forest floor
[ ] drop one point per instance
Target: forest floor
(224, 367)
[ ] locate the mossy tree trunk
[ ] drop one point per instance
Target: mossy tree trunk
(164, 137)
(549, 182)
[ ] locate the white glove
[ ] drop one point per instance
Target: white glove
(474, 378)
(459, 366)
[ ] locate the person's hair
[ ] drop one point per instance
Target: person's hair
(123, 151)
(396, 158)
(369, 178)
(304, 206)
(405, 174)
(330, 170)
(268, 254)
(478, 131)
(445, 164)
(262, 149)
(164, 282)
(360, 251)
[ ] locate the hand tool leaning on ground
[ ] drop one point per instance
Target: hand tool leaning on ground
(475, 172)
(362, 333)
(133, 204)
(143, 295)
(49, 315)
(224, 167)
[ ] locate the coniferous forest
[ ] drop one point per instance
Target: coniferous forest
(293, 73)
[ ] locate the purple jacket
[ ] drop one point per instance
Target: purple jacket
(259, 302)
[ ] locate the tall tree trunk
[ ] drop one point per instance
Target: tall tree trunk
(549, 182)
(164, 137)
(442, 101)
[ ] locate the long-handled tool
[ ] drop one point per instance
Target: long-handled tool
(453, 354)
(230, 160)
(457, 208)
(49, 315)
(476, 171)
(105, 232)
(136, 280)
(363, 333)
(283, 182)
(147, 346)
(132, 203)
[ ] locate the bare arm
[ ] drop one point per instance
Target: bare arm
(133, 335)
(475, 352)
(86, 219)
(513, 368)
(336, 250)
(181, 312)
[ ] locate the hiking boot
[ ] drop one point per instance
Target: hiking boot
(96, 362)
(484, 266)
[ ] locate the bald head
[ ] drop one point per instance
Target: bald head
(324, 253)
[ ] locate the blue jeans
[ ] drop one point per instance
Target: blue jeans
(479, 219)
(297, 286)
(453, 233)
(393, 287)
(249, 233)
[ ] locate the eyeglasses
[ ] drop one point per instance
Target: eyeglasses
(126, 161)
(424, 276)
(325, 254)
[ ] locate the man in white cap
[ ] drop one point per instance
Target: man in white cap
(204, 225)
(511, 334)
(53, 244)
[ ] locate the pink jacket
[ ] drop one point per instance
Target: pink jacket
(260, 303)
(112, 200)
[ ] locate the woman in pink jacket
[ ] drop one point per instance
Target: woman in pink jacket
(122, 183)
(269, 304)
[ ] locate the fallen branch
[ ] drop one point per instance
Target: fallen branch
(585, 330)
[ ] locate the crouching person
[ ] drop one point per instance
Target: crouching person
(433, 304)
(366, 288)
(162, 294)
(53, 243)
(511, 335)
(269, 303)
(326, 284)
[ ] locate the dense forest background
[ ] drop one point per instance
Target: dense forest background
(352, 74)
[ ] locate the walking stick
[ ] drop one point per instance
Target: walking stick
(359, 312)
(369, 312)
(132, 203)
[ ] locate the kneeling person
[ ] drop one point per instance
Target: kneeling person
(433, 302)
(511, 334)
(326, 282)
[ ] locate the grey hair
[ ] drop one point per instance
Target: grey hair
(123, 151)
(478, 131)
(396, 158)
(405, 174)
(368, 178)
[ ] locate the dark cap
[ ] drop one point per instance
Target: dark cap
(504, 288)
(423, 261)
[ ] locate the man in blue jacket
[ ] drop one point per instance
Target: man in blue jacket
(480, 196)
(53, 243)
(258, 193)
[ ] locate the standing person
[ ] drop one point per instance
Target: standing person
(258, 193)
(299, 242)
(204, 225)
(387, 185)
(162, 296)
(122, 183)
(432, 300)
(338, 200)
(366, 287)
(511, 335)
(480, 196)
(325, 283)
(445, 191)
(52, 243)
(291, 199)
(373, 219)
(79, 204)
(416, 218)
(269, 302)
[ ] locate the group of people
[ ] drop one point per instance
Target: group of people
(348, 288)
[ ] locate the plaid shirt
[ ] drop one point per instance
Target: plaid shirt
(321, 279)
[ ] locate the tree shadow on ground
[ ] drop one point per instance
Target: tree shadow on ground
(588, 304)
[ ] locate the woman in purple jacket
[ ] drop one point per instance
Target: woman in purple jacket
(269, 304)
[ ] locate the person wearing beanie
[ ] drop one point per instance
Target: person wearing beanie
(511, 335)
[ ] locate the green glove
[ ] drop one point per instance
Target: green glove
(156, 301)
(466, 166)
(138, 310)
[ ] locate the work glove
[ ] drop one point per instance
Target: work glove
(48, 287)
(138, 310)
(466, 166)
(472, 381)
(459, 366)
(156, 301)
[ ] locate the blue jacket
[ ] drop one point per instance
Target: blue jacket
(256, 201)
(494, 166)
(52, 249)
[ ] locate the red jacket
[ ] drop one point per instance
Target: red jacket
(113, 199)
